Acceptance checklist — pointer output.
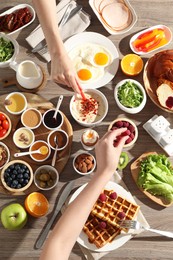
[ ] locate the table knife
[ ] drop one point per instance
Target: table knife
(58, 207)
(63, 21)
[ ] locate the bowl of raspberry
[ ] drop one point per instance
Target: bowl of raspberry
(132, 130)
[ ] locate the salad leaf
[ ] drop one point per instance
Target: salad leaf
(156, 176)
(130, 95)
(6, 49)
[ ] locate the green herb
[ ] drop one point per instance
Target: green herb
(156, 176)
(6, 49)
(130, 95)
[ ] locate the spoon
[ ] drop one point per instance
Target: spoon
(56, 150)
(58, 106)
(42, 150)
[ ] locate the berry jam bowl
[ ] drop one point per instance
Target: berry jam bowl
(50, 122)
(17, 176)
(132, 130)
(89, 112)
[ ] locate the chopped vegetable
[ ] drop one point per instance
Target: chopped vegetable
(156, 176)
(130, 95)
(6, 49)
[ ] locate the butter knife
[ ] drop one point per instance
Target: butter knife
(66, 17)
(58, 207)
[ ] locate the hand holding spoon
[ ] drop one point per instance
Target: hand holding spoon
(58, 106)
(42, 150)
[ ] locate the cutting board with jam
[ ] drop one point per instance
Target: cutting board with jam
(41, 133)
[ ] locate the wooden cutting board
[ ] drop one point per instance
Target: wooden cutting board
(40, 134)
(135, 168)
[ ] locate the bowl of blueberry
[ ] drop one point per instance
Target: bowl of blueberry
(17, 176)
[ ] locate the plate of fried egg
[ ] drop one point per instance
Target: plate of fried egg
(94, 57)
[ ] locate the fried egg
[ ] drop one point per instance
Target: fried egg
(90, 61)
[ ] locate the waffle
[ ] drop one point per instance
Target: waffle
(98, 235)
(114, 210)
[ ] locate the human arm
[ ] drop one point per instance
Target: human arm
(62, 70)
(64, 235)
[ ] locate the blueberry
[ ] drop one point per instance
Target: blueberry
(26, 175)
(15, 182)
(14, 172)
(13, 176)
(11, 167)
(19, 186)
(9, 179)
(26, 181)
(20, 176)
(21, 180)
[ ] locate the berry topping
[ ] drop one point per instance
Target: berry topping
(102, 197)
(113, 195)
(119, 124)
(121, 215)
(102, 225)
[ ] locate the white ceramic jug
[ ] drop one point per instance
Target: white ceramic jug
(28, 74)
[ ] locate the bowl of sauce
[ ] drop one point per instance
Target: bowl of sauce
(50, 122)
(44, 151)
(15, 103)
(58, 136)
(23, 137)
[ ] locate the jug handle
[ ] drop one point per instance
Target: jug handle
(14, 65)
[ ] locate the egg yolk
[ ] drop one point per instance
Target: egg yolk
(84, 74)
(101, 58)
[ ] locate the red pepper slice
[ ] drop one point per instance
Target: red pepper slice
(151, 46)
(142, 43)
(144, 34)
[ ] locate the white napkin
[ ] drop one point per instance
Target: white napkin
(93, 255)
(77, 24)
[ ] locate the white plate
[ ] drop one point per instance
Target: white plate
(17, 7)
(113, 32)
(96, 38)
(120, 239)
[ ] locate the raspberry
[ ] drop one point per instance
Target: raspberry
(102, 225)
(121, 215)
(127, 132)
(119, 124)
(128, 140)
(132, 136)
(113, 195)
(114, 128)
(102, 197)
(131, 128)
(125, 124)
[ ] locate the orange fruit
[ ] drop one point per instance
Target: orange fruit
(132, 64)
(36, 204)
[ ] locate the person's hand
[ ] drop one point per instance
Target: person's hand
(62, 71)
(107, 156)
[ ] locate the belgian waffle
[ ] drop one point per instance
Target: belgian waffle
(98, 235)
(111, 210)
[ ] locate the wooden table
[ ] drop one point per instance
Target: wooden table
(20, 244)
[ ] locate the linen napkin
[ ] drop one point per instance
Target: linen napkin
(93, 255)
(77, 24)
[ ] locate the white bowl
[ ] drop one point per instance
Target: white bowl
(37, 144)
(130, 110)
(15, 107)
(16, 8)
(29, 115)
(4, 64)
(46, 177)
(23, 137)
(89, 119)
(113, 126)
(49, 122)
(5, 157)
(75, 164)
(62, 138)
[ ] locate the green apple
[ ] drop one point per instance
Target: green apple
(13, 216)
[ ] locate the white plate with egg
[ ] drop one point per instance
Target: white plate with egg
(95, 58)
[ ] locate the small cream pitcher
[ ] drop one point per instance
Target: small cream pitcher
(28, 74)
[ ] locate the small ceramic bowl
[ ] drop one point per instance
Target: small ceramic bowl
(125, 96)
(14, 49)
(62, 139)
(132, 130)
(84, 163)
(17, 176)
(37, 156)
(5, 124)
(46, 177)
(4, 155)
(15, 103)
(90, 112)
(52, 123)
(31, 118)
(23, 137)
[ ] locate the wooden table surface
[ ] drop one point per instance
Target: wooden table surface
(19, 245)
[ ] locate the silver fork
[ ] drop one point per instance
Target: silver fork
(133, 224)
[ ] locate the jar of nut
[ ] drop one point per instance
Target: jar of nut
(84, 163)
